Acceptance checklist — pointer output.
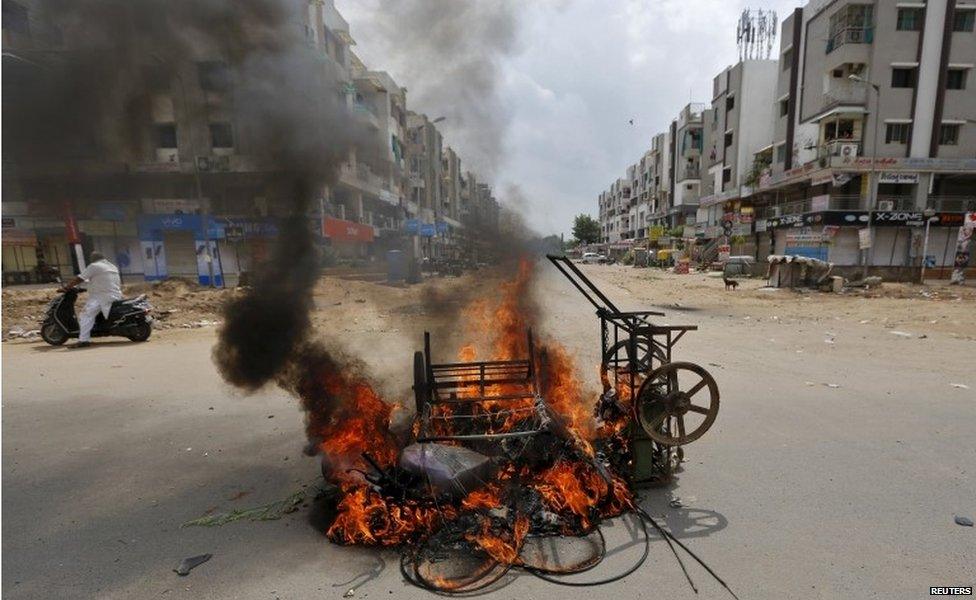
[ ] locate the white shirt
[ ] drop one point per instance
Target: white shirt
(104, 283)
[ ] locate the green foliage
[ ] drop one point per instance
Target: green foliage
(586, 229)
(628, 259)
(267, 512)
(760, 165)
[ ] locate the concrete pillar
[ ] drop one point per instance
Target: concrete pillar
(928, 77)
(922, 190)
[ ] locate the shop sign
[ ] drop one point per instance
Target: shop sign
(785, 221)
(803, 236)
(9, 222)
(19, 237)
(896, 177)
(655, 232)
(830, 231)
(442, 227)
(898, 217)
(411, 226)
(841, 178)
(102, 228)
(827, 177)
(844, 217)
(820, 203)
(760, 225)
(346, 231)
(724, 251)
(428, 230)
(864, 238)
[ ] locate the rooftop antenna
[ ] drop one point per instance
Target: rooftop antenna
(755, 34)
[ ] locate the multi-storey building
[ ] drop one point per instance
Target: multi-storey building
(190, 194)
(861, 131)
(874, 126)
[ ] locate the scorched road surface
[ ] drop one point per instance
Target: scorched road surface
(834, 470)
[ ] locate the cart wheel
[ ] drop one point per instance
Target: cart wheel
(618, 360)
(677, 403)
(419, 381)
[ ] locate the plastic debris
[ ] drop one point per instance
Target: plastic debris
(449, 469)
(188, 564)
(349, 593)
(902, 334)
(961, 386)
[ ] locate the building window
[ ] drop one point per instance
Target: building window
(853, 24)
(166, 135)
(897, 133)
(728, 139)
(963, 20)
(221, 135)
(786, 62)
(726, 175)
(949, 135)
(214, 76)
(781, 153)
(15, 17)
(729, 103)
(903, 77)
(784, 107)
(909, 19)
(956, 79)
(839, 130)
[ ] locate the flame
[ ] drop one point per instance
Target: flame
(500, 543)
(570, 486)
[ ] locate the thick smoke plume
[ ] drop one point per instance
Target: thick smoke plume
(92, 100)
(448, 53)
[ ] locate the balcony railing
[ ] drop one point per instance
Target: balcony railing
(845, 94)
(850, 35)
(840, 147)
(953, 203)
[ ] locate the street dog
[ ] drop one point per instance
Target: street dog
(730, 284)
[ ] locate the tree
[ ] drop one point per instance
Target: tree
(586, 229)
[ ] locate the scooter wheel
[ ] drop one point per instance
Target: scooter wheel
(140, 332)
(53, 334)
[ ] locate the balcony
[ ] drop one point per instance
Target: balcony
(952, 203)
(850, 35)
(843, 148)
(844, 93)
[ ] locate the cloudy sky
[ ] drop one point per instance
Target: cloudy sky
(567, 76)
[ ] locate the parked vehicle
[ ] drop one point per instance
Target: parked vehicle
(128, 318)
(590, 258)
(738, 265)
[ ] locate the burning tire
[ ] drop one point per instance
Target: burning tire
(53, 334)
(666, 399)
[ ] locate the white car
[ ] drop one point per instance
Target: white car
(590, 258)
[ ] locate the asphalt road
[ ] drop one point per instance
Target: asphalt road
(800, 490)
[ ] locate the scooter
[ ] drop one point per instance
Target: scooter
(127, 318)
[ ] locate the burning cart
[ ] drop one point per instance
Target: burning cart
(674, 403)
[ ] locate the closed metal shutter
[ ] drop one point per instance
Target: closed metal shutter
(181, 255)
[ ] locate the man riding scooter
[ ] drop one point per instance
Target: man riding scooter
(104, 288)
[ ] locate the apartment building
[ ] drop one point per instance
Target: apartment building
(874, 130)
(865, 120)
(687, 145)
(738, 146)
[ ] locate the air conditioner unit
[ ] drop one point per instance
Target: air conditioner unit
(886, 205)
(848, 150)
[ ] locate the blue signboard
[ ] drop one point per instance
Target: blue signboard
(427, 230)
(443, 227)
(411, 226)
(152, 226)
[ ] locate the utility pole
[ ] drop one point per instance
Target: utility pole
(873, 177)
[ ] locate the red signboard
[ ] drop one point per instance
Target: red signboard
(346, 231)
